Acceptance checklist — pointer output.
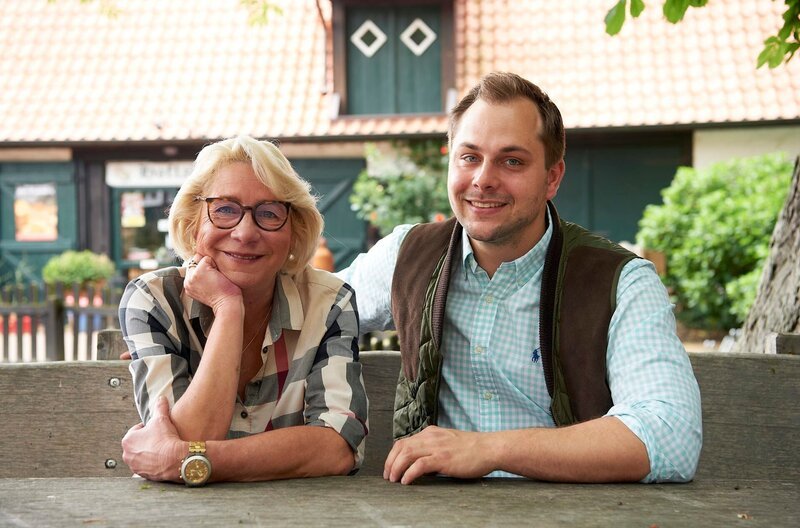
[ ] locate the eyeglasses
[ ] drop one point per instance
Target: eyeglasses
(226, 213)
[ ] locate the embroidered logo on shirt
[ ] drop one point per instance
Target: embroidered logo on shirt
(535, 356)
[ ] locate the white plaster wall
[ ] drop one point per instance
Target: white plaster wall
(711, 146)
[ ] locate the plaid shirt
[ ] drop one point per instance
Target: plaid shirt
(311, 373)
(492, 375)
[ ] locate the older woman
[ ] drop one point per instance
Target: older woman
(245, 362)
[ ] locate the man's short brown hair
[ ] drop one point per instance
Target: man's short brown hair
(502, 87)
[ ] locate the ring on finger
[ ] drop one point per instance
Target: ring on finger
(192, 263)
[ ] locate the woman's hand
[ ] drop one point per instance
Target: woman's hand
(154, 451)
(206, 284)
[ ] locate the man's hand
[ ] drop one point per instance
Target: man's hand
(154, 451)
(436, 450)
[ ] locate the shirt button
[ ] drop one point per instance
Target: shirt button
(488, 395)
(479, 349)
(244, 414)
(489, 299)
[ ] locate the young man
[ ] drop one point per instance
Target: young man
(530, 347)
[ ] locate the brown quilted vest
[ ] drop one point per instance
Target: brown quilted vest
(578, 298)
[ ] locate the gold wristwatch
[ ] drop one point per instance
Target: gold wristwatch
(196, 467)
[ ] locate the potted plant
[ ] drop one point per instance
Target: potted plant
(78, 267)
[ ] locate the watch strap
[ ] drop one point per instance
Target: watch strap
(197, 447)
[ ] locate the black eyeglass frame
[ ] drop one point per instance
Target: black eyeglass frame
(210, 199)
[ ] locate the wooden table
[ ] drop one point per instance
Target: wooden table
(371, 501)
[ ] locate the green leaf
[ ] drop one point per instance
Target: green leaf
(791, 14)
(675, 9)
(698, 3)
(637, 6)
(616, 17)
(773, 53)
(763, 57)
(259, 11)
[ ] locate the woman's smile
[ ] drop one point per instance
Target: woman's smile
(245, 257)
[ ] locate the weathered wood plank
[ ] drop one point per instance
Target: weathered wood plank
(380, 371)
(110, 344)
(783, 344)
(371, 501)
(67, 419)
(751, 418)
(64, 419)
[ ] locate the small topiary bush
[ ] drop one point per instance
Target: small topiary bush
(714, 227)
(78, 267)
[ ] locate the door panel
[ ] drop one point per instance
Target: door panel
(607, 186)
(394, 79)
(573, 200)
(418, 85)
(371, 80)
(624, 181)
(332, 180)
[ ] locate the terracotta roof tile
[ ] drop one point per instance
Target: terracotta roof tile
(174, 70)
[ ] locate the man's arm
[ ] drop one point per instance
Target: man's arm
(653, 432)
(601, 450)
(652, 383)
(370, 275)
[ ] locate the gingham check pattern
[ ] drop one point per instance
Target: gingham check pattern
(311, 373)
(492, 377)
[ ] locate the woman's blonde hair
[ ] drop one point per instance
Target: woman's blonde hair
(273, 170)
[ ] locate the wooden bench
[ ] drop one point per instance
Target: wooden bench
(67, 419)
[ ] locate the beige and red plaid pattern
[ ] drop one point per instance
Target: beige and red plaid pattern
(311, 374)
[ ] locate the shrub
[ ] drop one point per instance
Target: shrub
(78, 267)
(403, 186)
(714, 227)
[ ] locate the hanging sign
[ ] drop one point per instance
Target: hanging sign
(147, 173)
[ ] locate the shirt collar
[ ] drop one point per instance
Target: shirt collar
(525, 266)
(287, 309)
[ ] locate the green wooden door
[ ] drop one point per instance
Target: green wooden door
(607, 187)
(38, 217)
(627, 180)
(394, 67)
(332, 180)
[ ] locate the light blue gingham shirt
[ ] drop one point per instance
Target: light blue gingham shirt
(492, 376)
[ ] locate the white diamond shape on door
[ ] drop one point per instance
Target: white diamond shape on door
(358, 35)
(418, 48)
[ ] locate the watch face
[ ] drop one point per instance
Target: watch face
(196, 470)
